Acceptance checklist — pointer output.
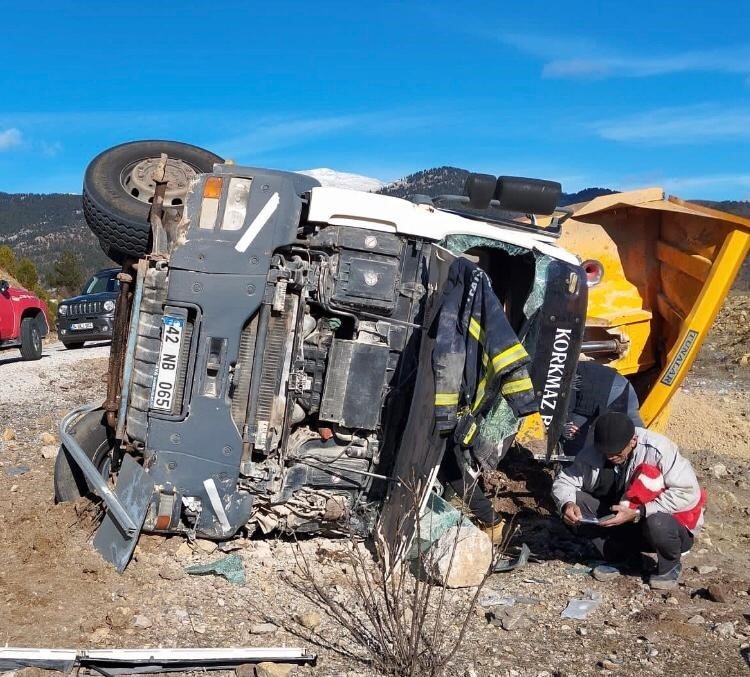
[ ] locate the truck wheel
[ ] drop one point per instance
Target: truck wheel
(31, 339)
(118, 190)
(73, 345)
(69, 481)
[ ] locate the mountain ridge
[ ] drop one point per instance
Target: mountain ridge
(43, 225)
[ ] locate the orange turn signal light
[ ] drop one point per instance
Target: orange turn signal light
(212, 187)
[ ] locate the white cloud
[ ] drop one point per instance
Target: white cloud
(587, 60)
(709, 181)
(272, 133)
(10, 138)
(691, 124)
(50, 149)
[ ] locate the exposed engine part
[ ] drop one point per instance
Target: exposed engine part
(307, 510)
(243, 371)
(612, 346)
(271, 399)
(366, 281)
(355, 389)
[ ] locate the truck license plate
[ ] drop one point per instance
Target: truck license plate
(162, 396)
(82, 325)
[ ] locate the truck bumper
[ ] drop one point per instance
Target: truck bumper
(101, 330)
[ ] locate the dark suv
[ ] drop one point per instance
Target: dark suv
(89, 317)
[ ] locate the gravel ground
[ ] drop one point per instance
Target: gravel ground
(56, 591)
(33, 382)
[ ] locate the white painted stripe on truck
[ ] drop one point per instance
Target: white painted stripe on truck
(258, 222)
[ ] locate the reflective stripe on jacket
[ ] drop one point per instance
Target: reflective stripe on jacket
(477, 356)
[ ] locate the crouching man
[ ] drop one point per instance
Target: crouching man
(645, 490)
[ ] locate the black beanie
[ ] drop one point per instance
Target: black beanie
(612, 432)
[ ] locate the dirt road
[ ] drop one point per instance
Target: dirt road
(55, 591)
(23, 383)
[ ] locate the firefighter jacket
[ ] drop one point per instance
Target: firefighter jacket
(476, 356)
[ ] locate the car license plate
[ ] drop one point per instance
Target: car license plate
(82, 325)
(162, 396)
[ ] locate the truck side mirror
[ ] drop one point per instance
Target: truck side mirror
(4, 286)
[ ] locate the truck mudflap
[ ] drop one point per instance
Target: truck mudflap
(133, 491)
(559, 334)
(126, 506)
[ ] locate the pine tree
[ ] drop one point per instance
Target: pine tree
(66, 273)
(26, 273)
(7, 259)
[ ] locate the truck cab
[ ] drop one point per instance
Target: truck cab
(271, 362)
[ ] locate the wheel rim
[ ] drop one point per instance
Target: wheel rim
(102, 460)
(138, 182)
(36, 340)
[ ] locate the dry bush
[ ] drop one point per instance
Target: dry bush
(397, 620)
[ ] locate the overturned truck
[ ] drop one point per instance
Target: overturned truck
(271, 362)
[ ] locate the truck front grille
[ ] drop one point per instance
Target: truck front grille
(85, 308)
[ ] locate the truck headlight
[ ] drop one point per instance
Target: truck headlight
(62, 310)
(236, 208)
(109, 306)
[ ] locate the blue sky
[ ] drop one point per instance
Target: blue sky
(618, 94)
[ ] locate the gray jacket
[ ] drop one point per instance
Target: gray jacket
(681, 485)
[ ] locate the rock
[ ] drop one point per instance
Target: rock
(310, 620)
(142, 622)
(99, 635)
(247, 670)
(184, 551)
(273, 669)
(9, 435)
(170, 572)
(719, 470)
(508, 617)
(696, 620)
(263, 628)
(120, 617)
(672, 600)
(724, 629)
(705, 569)
(200, 628)
(460, 558)
(49, 451)
(582, 632)
(718, 593)
(727, 498)
(605, 573)
(206, 546)
(47, 438)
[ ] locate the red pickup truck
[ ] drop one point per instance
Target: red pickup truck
(23, 321)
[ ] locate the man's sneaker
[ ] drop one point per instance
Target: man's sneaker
(605, 572)
(667, 581)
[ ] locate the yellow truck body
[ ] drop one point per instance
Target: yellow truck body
(667, 266)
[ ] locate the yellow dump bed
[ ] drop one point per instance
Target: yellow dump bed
(667, 267)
